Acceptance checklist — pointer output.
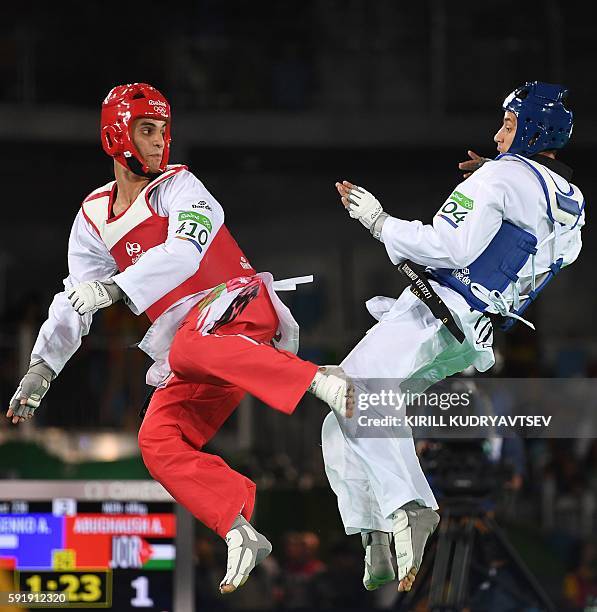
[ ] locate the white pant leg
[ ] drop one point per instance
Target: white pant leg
(409, 344)
(393, 469)
(394, 349)
(350, 482)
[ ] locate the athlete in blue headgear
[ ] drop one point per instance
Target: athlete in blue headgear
(493, 245)
(545, 123)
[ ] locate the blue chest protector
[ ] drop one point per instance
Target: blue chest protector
(507, 253)
(495, 268)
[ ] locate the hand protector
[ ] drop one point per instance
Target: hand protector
(92, 295)
(32, 388)
(332, 386)
(364, 206)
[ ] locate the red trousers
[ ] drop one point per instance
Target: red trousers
(211, 374)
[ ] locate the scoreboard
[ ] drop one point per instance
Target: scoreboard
(99, 544)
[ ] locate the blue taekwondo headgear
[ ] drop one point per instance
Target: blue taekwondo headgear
(543, 121)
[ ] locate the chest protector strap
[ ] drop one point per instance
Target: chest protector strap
(561, 207)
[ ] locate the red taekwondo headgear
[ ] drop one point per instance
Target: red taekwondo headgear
(122, 106)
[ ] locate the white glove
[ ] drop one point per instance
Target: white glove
(92, 295)
(364, 206)
(333, 387)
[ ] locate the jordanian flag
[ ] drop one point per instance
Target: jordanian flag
(157, 556)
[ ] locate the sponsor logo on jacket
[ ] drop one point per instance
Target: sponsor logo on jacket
(201, 204)
(134, 251)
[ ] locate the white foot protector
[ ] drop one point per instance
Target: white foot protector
(378, 559)
(413, 524)
(246, 549)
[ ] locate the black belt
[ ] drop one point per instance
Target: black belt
(419, 285)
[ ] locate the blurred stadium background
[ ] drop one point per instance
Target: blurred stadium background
(272, 103)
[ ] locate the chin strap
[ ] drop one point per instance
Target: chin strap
(136, 167)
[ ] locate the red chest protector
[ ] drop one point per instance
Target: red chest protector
(139, 228)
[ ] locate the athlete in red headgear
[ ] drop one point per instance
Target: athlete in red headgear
(156, 238)
(122, 106)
